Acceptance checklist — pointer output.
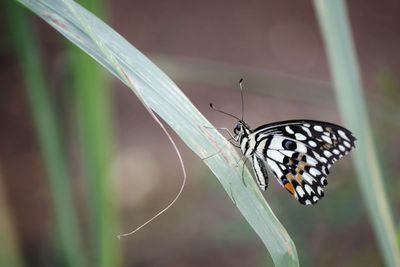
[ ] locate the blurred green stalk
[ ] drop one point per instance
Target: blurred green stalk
(48, 133)
(9, 249)
(94, 102)
(336, 31)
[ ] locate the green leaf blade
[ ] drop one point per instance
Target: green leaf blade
(160, 94)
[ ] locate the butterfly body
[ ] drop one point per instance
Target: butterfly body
(299, 153)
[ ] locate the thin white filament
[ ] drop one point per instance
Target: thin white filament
(128, 81)
(180, 190)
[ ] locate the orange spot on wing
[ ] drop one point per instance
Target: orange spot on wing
(299, 178)
(289, 187)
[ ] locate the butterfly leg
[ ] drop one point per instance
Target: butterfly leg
(220, 149)
(230, 188)
(223, 129)
(244, 163)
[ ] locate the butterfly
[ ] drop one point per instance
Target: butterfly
(299, 153)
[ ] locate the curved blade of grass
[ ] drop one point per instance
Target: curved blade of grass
(93, 101)
(336, 31)
(160, 94)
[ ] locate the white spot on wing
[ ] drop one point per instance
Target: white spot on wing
(300, 137)
(323, 160)
(308, 202)
(261, 145)
(308, 178)
(306, 130)
(288, 153)
(252, 144)
(259, 137)
(243, 144)
(309, 189)
(327, 153)
(319, 190)
(311, 161)
(301, 148)
(326, 139)
(276, 142)
(343, 135)
(316, 155)
(259, 174)
(289, 130)
(275, 155)
(315, 171)
(318, 128)
(347, 144)
(275, 168)
(312, 143)
(300, 191)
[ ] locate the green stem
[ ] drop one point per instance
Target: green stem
(338, 40)
(94, 102)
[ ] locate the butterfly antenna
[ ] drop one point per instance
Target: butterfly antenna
(241, 94)
(223, 112)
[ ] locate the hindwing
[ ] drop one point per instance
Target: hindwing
(300, 154)
(260, 170)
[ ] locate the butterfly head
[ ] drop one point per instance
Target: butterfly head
(241, 129)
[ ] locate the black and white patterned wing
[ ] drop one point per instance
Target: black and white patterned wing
(300, 154)
(260, 170)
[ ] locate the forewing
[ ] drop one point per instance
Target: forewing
(300, 154)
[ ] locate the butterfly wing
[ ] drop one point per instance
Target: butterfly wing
(260, 170)
(300, 154)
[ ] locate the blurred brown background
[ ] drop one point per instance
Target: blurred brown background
(206, 47)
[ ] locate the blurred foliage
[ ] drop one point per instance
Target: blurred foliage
(48, 133)
(349, 90)
(93, 100)
(389, 84)
(340, 219)
(9, 248)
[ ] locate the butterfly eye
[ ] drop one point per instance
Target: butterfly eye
(237, 129)
(289, 144)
